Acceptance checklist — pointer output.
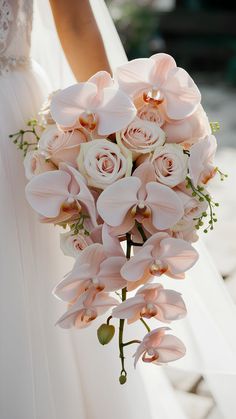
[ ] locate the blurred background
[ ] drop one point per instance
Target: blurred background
(201, 35)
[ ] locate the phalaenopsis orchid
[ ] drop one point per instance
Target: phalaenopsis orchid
(122, 164)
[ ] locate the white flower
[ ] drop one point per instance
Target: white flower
(102, 163)
(170, 164)
(72, 244)
(140, 137)
(35, 163)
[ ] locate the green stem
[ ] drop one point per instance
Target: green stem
(145, 324)
(131, 342)
(141, 231)
(122, 321)
(108, 319)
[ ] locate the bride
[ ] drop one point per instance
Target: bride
(47, 373)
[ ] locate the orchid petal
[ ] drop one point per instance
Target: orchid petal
(115, 112)
(110, 275)
(182, 96)
(170, 349)
(116, 200)
(178, 254)
(68, 104)
(134, 75)
(135, 268)
(47, 192)
(167, 208)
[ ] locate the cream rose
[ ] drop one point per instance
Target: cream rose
(189, 130)
(151, 113)
(103, 163)
(72, 245)
(59, 146)
(140, 137)
(170, 164)
(193, 208)
(35, 163)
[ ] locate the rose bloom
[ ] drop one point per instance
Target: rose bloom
(140, 137)
(59, 146)
(35, 163)
(189, 130)
(151, 113)
(73, 244)
(102, 163)
(170, 164)
(193, 208)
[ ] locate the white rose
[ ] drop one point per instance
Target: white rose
(72, 245)
(140, 137)
(170, 164)
(193, 208)
(35, 163)
(102, 163)
(59, 146)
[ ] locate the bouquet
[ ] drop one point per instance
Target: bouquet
(122, 164)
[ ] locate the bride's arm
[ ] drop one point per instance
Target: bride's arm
(80, 37)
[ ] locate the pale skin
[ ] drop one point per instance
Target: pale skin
(80, 37)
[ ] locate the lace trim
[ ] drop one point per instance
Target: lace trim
(6, 17)
(11, 63)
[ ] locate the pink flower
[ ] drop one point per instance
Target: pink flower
(96, 103)
(35, 163)
(185, 231)
(58, 146)
(87, 308)
(170, 164)
(140, 198)
(150, 112)
(98, 267)
(140, 137)
(72, 244)
(160, 254)
(201, 161)
(152, 300)
(50, 192)
(159, 348)
(162, 83)
(189, 130)
(193, 209)
(102, 163)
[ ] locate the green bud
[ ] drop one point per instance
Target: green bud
(105, 333)
(122, 379)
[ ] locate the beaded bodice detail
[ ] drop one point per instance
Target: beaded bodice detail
(15, 33)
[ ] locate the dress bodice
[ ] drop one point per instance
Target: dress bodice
(15, 33)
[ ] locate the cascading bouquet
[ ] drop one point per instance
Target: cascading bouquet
(122, 164)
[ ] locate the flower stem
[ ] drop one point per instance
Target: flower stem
(131, 342)
(123, 372)
(141, 231)
(145, 324)
(108, 319)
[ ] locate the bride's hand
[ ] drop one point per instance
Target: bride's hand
(80, 37)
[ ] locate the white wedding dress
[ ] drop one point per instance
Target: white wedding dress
(49, 373)
(45, 372)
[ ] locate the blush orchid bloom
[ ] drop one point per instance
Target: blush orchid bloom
(87, 308)
(96, 267)
(152, 300)
(201, 161)
(162, 83)
(50, 193)
(159, 348)
(160, 254)
(95, 104)
(139, 197)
